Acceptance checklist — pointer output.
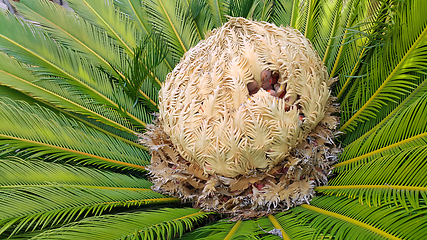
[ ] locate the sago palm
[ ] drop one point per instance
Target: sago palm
(80, 87)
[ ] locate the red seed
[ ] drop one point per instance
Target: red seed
(285, 170)
(259, 185)
(252, 86)
(266, 86)
(272, 92)
(273, 80)
(265, 75)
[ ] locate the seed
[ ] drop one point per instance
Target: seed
(259, 186)
(265, 75)
(272, 92)
(252, 87)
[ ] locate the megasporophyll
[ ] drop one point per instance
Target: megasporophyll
(246, 122)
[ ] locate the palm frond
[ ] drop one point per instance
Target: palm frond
(105, 15)
(168, 20)
(93, 66)
(293, 227)
(14, 75)
(37, 131)
(391, 74)
(153, 224)
(385, 179)
(218, 9)
(72, 31)
(345, 218)
(226, 230)
(43, 194)
(66, 27)
(282, 13)
(32, 207)
(18, 173)
(263, 10)
(366, 128)
(119, 27)
(66, 73)
(138, 14)
(391, 138)
(281, 226)
(147, 57)
(199, 12)
(362, 30)
(242, 8)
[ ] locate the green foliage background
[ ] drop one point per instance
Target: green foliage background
(76, 86)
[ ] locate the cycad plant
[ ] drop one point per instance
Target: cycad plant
(79, 86)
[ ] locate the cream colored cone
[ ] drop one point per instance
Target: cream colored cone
(245, 121)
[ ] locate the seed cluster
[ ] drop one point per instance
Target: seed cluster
(245, 121)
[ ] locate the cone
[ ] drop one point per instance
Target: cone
(246, 122)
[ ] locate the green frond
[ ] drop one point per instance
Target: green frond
(199, 12)
(282, 13)
(37, 131)
(261, 228)
(263, 10)
(72, 31)
(300, 17)
(14, 75)
(27, 208)
(16, 173)
(226, 230)
(344, 218)
(153, 224)
(168, 18)
(138, 14)
(385, 179)
(362, 24)
(391, 74)
(99, 71)
(45, 193)
(366, 128)
(105, 15)
(66, 73)
(134, 9)
(218, 9)
(135, 76)
(332, 11)
(242, 8)
(391, 137)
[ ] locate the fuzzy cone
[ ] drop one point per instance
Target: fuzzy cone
(245, 122)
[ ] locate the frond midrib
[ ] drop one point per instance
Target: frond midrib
(397, 68)
(277, 225)
(385, 186)
(86, 155)
(414, 138)
(75, 186)
(173, 27)
(351, 221)
(73, 78)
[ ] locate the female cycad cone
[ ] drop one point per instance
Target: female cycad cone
(245, 122)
